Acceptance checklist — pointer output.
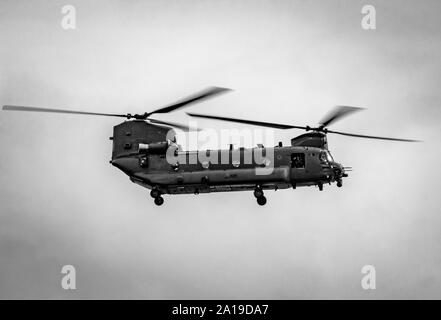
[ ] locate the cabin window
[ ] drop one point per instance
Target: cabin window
(143, 162)
(267, 162)
(297, 160)
(205, 164)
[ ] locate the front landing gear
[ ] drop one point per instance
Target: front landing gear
(320, 186)
(258, 193)
(156, 194)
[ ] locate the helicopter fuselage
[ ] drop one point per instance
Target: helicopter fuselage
(141, 151)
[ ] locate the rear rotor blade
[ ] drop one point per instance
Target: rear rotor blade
(35, 109)
(174, 125)
(254, 123)
(370, 137)
(197, 97)
(338, 113)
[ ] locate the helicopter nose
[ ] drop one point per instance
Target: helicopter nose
(339, 173)
(339, 170)
(344, 171)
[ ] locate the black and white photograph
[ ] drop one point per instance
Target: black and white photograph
(221, 150)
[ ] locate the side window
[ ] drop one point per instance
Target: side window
(297, 160)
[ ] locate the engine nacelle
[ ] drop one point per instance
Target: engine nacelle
(153, 148)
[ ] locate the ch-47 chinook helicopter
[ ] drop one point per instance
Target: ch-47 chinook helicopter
(141, 149)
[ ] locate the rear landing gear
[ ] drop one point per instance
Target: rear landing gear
(159, 201)
(339, 183)
(261, 201)
(258, 193)
(156, 194)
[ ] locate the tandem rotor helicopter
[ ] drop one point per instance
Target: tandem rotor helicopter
(141, 147)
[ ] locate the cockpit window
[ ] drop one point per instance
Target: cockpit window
(329, 156)
(325, 157)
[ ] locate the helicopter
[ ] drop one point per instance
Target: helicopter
(146, 150)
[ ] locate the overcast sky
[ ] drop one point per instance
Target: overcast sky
(61, 202)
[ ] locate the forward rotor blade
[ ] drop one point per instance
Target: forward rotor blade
(254, 123)
(174, 125)
(35, 109)
(197, 97)
(370, 137)
(338, 113)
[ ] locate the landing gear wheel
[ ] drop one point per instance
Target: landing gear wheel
(155, 193)
(339, 184)
(261, 201)
(258, 193)
(159, 201)
(320, 185)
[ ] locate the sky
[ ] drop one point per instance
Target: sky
(62, 203)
